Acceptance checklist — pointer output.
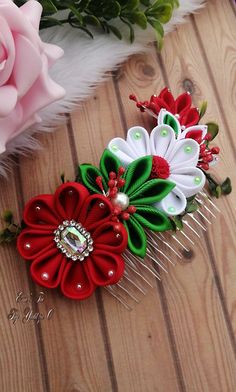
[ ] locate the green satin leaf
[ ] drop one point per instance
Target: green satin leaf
(151, 192)
(108, 163)
(170, 120)
(88, 174)
(152, 218)
(137, 240)
(137, 174)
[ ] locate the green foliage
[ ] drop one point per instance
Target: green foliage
(11, 230)
(216, 189)
(82, 14)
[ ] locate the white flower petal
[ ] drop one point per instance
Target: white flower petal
(138, 140)
(122, 150)
(184, 154)
(168, 118)
(174, 203)
(162, 140)
(202, 128)
(189, 180)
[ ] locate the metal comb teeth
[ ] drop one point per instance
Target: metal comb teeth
(163, 249)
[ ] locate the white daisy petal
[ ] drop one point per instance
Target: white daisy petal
(168, 118)
(189, 180)
(138, 140)
(184, 154)
(122, 150)
(162, 140)
(174, 203)
(202, 128)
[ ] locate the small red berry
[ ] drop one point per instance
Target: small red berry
(215, 150)
(125, 216)
(117, 227)
(208, 137)
(121, 170)
(112, 175)
(131, 209)
(111, 183)
(117, 211)
(121, 182)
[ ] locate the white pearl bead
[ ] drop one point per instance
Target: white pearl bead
(45, 276)
(121, 200)
(27, 245)
(110, 273)
(79, 286)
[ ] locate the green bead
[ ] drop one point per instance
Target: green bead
(164, 132)
(114, 148)
(171, 209)
(137, 136)
(197, 180)
(188, 149)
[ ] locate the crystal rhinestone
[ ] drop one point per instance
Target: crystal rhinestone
(110, 273)
(188, 149)
(74, 258)
(197, 180)
(27, 246)
(66, 223)
(137, 135)
(56, 239)
(68, 255)
(61, 227)
(45, 276)
(164, 132)
(72, 223)
(90, 248)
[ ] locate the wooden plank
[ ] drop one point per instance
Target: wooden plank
(180, 285)
(139, 343)
(191, 68)
(74, 351)
(19, 341)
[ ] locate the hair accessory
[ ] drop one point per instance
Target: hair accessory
(119, 224)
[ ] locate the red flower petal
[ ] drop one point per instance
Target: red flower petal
(96, 210)
(105, 268)
(107, 239)
(31, 243)
(76, 283)
(196, 135)
(190, 118)
(169, 102)
(183, 103)
(39, 213)
(47, 269)
(69, 198)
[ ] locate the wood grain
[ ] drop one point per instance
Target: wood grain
(181, 336)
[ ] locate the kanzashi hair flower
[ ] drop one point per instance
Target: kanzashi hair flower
(72, 241)
(132, 193)
(173, 158)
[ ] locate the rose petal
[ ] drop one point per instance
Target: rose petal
(105, 238)
(9, 124)
(8, 99)
(174, 203)
(138, 140)
(105, 268)
(39, 213)
(48, 268)
(69, 198)
(162, 139)
(27, 66)
(31, 243)
(76, 283)
(32, 10)
(6, 39)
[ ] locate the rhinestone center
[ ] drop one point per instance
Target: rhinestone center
(73, 240)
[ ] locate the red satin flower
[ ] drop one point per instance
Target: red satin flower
(51, 229)
(187, 115)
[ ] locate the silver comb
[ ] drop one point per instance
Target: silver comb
(163, 249)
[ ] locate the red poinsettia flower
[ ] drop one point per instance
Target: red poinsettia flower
(180, 107)
(72, 241)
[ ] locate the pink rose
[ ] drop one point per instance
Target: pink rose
(25, 84)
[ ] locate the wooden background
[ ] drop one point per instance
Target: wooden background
(181, 337)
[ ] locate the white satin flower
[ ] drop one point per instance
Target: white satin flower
(176, 158)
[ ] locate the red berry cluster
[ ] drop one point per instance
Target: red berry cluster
(206, 153)
(115, 184)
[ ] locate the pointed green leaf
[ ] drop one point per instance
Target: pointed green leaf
(226, 186)
(152, 218)
(108, 163)
(137, 174)
(213, 129)
(203, 109)
(88, 174)
(137, 240)
(170, 120)
(151, 192)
